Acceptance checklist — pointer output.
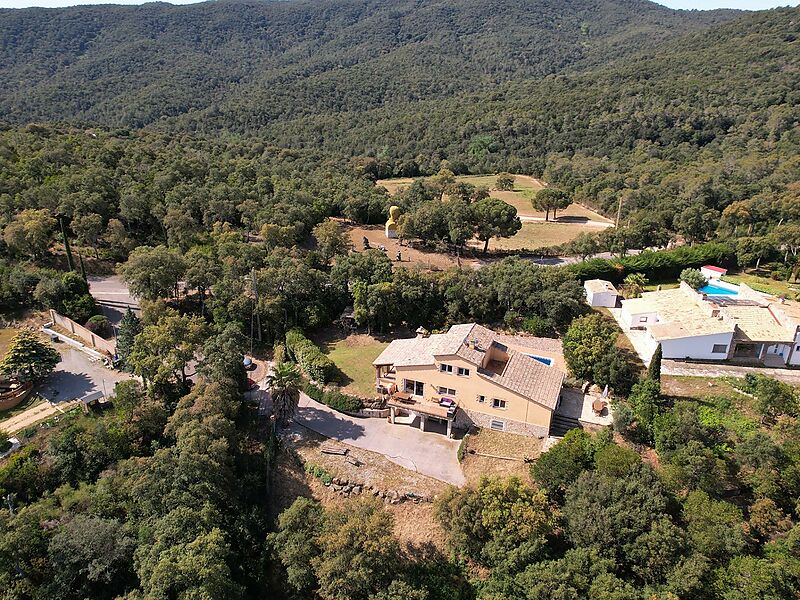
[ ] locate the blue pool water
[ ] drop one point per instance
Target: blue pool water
(542, 359)
(714, 290)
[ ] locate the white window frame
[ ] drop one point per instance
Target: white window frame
(499, 404)
(642, 319)
(723, 351)
(497, 425)
(462, 372)
(447, 391)
(445, 368)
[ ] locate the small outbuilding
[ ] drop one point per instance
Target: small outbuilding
(712, 272)
(601, 293)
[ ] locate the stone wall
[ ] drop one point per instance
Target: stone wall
(465, 419)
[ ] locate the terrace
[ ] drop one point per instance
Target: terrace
(404, 407)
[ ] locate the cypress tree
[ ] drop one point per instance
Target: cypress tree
(129, 327)
(654, 369)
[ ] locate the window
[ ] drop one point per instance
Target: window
(497, 403)
(481, 399)
(446, 391)
(463, 372)
(415, 387)
(719, 349)
(496, 425)
(642, 319)
(446, 368)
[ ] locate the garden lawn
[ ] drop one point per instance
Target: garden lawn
(765, 284)
(353, 356)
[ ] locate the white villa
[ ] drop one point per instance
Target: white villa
(720, 321)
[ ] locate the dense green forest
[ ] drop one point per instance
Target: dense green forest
(201, 151)
(134, 65)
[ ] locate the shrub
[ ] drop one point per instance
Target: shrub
(100, 325)
(462, 448)
(342, 402)
(333, 398)
(561, 465)
(279, 354)
(653, 265)
(312, 361)
(694, 278)
(319, 472)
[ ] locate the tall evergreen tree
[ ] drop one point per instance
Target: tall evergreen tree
(129, 328)
(654, 369)
(29, 358)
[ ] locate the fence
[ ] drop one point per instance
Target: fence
(108, 347)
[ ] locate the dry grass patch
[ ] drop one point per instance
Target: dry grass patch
(540, 235)
(697, 388)
(508, 445)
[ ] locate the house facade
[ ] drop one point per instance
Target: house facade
(473, 376)
(719, 322)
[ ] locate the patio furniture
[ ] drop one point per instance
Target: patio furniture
(598, 406)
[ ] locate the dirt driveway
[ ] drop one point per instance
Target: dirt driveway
(431, 454)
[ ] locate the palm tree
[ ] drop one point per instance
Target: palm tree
(284, 385)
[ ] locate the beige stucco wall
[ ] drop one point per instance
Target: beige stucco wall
(468, 388)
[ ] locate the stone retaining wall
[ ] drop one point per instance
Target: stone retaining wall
(465, 419)
(345, 487)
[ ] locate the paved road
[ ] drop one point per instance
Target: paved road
(113, 296)
(431, 454)
(77, 376)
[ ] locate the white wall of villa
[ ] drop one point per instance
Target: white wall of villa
(702, 347)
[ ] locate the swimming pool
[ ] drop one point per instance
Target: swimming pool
(542, 359)
(715, 290)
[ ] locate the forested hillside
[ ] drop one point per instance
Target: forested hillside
(117, 65)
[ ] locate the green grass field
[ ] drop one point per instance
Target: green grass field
(765, 284)
(353, 356)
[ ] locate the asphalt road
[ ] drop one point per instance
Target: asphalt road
(113, 296)
(77, 376)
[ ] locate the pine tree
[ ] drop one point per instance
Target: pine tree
(29, 358)
(129, 328)
(654, 370)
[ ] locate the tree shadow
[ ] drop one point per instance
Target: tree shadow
(328, 424)
(63, 386)
(571, 219)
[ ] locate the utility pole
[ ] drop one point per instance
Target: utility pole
(619, 211)
(67, 248)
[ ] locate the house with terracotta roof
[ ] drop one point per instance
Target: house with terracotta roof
(471, 375)
(720, 321)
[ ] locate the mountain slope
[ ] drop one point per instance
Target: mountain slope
(117, 65)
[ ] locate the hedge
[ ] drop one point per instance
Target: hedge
(658, 265)
(335, 399)
(312, 361)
